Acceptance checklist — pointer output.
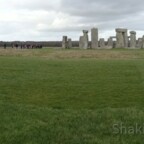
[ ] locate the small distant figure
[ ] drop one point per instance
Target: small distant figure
(16, 45)
(5, 46)
(11, 45)
(22, 46)
(40, 46)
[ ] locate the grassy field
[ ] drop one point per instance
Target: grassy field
(53, 96)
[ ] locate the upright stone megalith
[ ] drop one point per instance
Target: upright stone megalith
(139, 44)
(132, 39)
(64, 42)
(110, 42)
(69, 44)
(81, 42)
(102, 43)
(94, 38)
(142, 42)
(85, 39)
(122, 38)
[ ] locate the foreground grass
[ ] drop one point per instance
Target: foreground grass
(70, 100)
(21, 124)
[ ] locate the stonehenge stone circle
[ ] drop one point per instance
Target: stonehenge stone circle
(121, 40)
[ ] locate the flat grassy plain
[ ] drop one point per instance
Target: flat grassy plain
(53, 96)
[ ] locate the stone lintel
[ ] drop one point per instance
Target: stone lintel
(140, 39)
(94, 28)
(121, 30)
(102, 39)
(113, 37)
(132, 32)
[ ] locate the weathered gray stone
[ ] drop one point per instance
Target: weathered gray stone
(102, 43)
(69, 44)
(121, 30)
(64, 42)
(110, 43)
(139, 43)
(113, 37)
(142, 42)
(81, 42)
(94, 38)
(132, 39)
(122, 38)
(85, 39)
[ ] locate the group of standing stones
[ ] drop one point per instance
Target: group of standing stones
(66, 42)
(121, 40)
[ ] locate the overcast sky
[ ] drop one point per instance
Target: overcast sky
(45, 20)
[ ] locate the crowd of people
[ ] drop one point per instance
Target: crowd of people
(24, 46)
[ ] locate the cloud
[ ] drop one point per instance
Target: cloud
(50, 20)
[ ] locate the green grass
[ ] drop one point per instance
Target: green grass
(66, 100)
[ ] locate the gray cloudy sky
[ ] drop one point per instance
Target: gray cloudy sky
(50, 20)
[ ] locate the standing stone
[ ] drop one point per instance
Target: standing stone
(125, 35)
(94, 38)
(102, 43)
(81, 42)
(132, 39)
(110, 43)
(122, 38)
(64, 42)
(139, 43)
(143, 42)
(69, 43)
(85, 39)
